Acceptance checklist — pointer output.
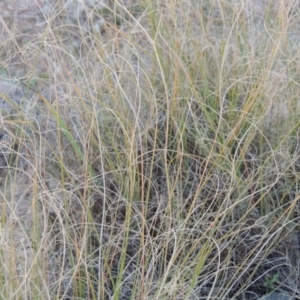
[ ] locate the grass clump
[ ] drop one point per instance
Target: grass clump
(153, 152)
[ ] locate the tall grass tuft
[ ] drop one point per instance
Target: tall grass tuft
(149, 150)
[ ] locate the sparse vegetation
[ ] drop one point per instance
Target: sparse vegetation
(152, 151)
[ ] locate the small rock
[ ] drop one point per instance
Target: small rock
(276, 296)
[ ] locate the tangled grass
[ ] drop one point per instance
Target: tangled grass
(152, 151)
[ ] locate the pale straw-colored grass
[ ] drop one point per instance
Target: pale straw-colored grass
(153, 152)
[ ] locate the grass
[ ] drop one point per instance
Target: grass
(155, 151)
